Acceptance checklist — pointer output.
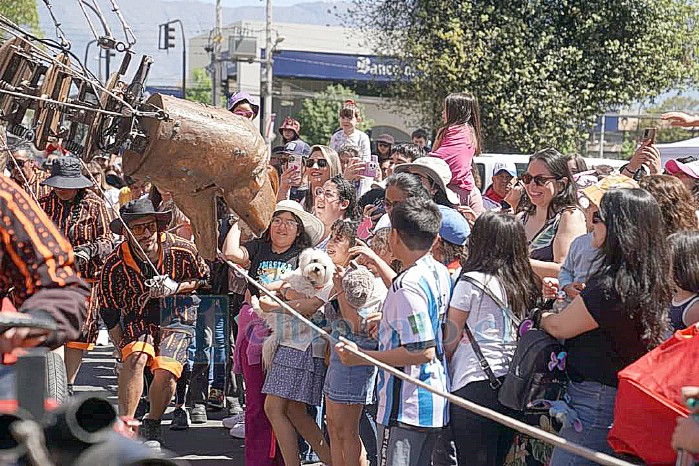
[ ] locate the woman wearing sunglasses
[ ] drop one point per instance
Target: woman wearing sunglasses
(552, 220)
(244, 105)
(319, 167)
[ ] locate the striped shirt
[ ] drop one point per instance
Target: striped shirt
(83, 223)
(122, 281)
(36, 260)
(34, 186)
(413, 314)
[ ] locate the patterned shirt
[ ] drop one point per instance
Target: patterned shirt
(122, 281)
(413, 314)
(84, 223)
(36, 260)
(34, 186)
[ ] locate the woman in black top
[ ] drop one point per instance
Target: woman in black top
(620, 316)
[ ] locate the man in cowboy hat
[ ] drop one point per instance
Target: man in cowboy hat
(147, 303)
(82, 217)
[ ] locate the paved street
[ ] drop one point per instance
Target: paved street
(202, 445)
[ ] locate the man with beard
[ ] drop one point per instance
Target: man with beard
(24, 172)
(148, 305)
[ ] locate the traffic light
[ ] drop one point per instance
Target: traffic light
(170, 36)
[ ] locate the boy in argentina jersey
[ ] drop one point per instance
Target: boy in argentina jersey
(410, 338)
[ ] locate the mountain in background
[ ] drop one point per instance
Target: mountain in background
(144, 16)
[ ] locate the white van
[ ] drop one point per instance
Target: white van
(485, 163)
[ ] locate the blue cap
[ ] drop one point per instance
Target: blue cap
(297, 147)
(455, 228)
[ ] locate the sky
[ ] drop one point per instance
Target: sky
(234, 3)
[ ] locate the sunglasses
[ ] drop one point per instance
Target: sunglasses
(11, 165)
(322, 163)
(597, 218)
(539, 180)
(141, 228)
(245, 113)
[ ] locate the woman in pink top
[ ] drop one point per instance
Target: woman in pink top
(458, 141)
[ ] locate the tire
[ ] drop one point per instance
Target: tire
(56, 380)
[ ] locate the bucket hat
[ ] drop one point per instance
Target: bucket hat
(66, 173)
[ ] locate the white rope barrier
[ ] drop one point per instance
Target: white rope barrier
(519, 426)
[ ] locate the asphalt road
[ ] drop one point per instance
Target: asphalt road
(202, 445)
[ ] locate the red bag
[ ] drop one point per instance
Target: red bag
(649, 398)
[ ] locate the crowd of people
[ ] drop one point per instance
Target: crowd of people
(612, 258)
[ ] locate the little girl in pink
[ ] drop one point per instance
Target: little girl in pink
(458, 141)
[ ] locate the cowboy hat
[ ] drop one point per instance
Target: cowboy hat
(66, 173)
(311, 224)
(436, 170)
(139, 208)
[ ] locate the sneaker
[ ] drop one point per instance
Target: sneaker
(198, 414)
(238, 430)
(234, 407)
(229, 422)
(180, 419)
(150, 431)
(216, 399)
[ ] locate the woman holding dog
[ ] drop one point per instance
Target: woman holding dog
(296, 377)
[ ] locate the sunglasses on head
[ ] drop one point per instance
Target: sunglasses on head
(322, 163)
(597, 217)
(539, 180)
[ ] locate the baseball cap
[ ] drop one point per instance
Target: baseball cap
(509, 167)
(455, 228)
(297, 147)
(690, 169)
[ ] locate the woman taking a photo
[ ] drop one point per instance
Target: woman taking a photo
(502, 267)
(552, 220)
(619, 316)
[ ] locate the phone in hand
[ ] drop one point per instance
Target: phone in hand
(295, 164)
(649, 135)
(372, 167)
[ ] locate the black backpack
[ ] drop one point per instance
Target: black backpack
(537, 371)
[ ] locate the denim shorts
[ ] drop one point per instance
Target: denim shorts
(351, 384)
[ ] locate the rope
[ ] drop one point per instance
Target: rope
(520, 426)
(65, 43)
(61, 104)
(128, 231)
(128, 33)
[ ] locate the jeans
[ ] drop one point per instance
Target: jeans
(594, 404)
(7, 383)
(207, 353)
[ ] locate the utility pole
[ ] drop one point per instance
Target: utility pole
(216, 57)
(267, 121)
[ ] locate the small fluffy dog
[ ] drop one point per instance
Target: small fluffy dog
(313, 275)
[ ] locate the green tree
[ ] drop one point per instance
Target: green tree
(200, 89)
(542, 69)
(21, 12)
(319, 116)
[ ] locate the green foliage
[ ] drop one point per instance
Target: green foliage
(542, 69)
(200, 90)
(319, 116)
(21, 12)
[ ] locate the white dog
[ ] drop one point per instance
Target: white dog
(312, 278)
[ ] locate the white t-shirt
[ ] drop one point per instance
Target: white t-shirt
(357, 138)
(495, 333)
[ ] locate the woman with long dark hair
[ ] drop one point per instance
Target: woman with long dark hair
(621, 315)
(499, 269)
(552, 221)
(335, 199)
(459, 140)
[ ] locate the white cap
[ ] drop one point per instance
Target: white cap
(509, 167)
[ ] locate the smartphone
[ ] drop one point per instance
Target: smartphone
(649, 135)
(380, 207)
(372, 167)
(295, 163)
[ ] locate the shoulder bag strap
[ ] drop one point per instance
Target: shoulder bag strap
(515, 320)
(482, 361)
